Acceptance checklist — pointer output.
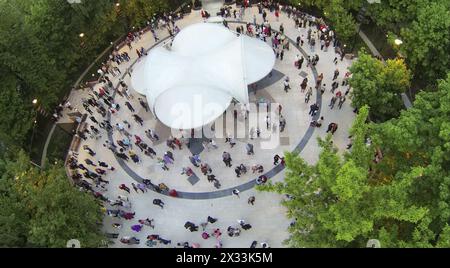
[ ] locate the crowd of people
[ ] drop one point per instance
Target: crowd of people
(102, 107)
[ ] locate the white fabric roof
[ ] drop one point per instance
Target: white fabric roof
(193, 83)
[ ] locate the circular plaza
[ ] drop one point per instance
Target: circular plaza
(153, 161)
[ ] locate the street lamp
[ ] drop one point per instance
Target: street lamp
(34, 101)
(117, 4)
(398, 42)
(81, 35)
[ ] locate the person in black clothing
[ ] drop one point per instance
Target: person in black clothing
(211, 219)
(313, 109)
(129, 106)
(158, 202)
(143, 104)
(89, 162)
(138, 119)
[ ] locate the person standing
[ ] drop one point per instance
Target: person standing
(304, 84)
(308, 95)
(251, 200)
(334, 85)
(154, 35)
(158, 202)
(143, 104)
(341, 101)
(236, 192)
(332, 127)
(313, 109)
(226, 157)
(134, 187)
(125, 188)
(286, 85)
(336, 74)
(249, 149)
(319, 80)
(332, 102)
(300, 62)
(276, 159)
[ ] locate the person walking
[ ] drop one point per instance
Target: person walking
(236, 192)
(134, 187)
(286, 85)
(308, 95)
(148, 222)
(89, 162)
(251, 200)
(226, 158)
(319, 80)
(154, 35)
(129, 106)
(332, 127)
(341, 101)
(138, 119)
(211, 219)
(336, 74)
(143, 104)
(304, 84)
(334, 85)
(313, 109)
(300, 62)
(332, 102)
(276, 159)
(89, 150)
(125, 188)
(158, 202)
(249, 149)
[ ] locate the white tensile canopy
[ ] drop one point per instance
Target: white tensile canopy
(193, 83)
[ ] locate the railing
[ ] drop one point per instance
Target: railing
(118, 43)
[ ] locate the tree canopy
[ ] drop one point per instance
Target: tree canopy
(379, 85)
(42, 53)
(401, 198)
(42, 209)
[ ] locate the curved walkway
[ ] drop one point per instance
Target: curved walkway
(245, 186)
(267, 216)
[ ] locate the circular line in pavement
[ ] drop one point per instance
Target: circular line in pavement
(242, 187)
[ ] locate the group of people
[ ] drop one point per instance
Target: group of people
(90, 174)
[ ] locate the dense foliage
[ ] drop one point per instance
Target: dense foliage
(379, 85)
(402, 199)
(42, 53)
(422, 25)
(41, 209)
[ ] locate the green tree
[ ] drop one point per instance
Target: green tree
(339, 202)
(395, 14)
(341, 20)
(41, 209)
(420, 140)
(379, 85)
(426, 42)
(15, 114)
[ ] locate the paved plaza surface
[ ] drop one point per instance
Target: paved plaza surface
(198, 197)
